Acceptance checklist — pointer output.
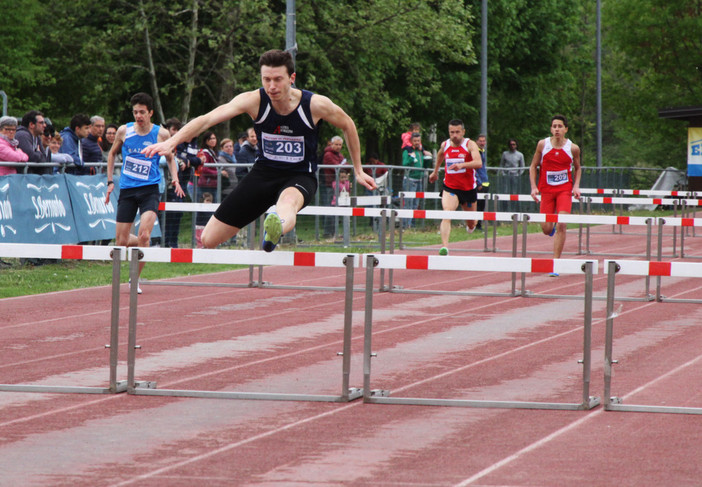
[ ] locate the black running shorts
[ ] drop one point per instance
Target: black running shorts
(469, 197)
(142, 198)
(259, 190)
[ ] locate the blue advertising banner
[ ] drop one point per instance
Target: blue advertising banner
(36, 209)
(95, 220)
(58, 209)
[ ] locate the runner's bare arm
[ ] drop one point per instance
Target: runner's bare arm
(577, 172)
(323, 108)
(114, 150)
(439, 161)
(243, 103)
(476, 162)
(535, 161)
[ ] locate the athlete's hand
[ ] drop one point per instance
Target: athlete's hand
(433, 177)
(535, 194)
(110, 187)
(178, 190)
(366, 180)
(576, 192)
(161, 148)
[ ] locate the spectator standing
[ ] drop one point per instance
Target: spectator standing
(186, 159)
(226, 156)
(207, 172)
(28, 137)
(513, 161)
(8, 146)
(107, 140)
(414, 128)
(78, 129)
(413, 181)
(247, 154)
(481, 175)
(332, 157)
(90, 145)
(240, 139)
(557, 161)
(343, 186)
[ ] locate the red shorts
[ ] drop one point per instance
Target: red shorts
(560, 202)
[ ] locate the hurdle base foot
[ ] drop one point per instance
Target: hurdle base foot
(120, 386)
(613, 401)
(145, 384)
(355, 393)
(593, 401)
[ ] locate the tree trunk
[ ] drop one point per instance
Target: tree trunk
(150, 62)
(190, 75)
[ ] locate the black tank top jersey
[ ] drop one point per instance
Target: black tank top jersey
(287, 142)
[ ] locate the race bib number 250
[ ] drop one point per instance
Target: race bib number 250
(283, 148)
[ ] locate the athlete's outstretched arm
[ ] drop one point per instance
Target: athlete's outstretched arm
(322, 107)
(243, 103)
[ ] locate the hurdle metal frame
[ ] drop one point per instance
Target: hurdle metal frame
(77, 252)
(612, 267)
(382, 396)
(149, 388)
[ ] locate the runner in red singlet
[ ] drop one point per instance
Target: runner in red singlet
(462, 158)
(558, 163)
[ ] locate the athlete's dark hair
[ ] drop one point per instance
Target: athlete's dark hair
(143, 99)
(562, 118)
(275, 58)
(457, 123)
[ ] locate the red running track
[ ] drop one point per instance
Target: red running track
(464, 347)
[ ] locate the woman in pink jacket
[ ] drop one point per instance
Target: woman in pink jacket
(8, 145)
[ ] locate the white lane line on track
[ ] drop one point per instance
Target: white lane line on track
(507, 460)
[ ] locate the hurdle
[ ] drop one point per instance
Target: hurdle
(78, 252)
(345, 211)
(614, 220)
(485, 264)
(252, 257)
(639, 268)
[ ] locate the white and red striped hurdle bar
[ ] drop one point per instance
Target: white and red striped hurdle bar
(613, 200)
(243, 257)
(638, 192)
(53, 251)
(484, 264)
(655, 269)
(466, 215)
